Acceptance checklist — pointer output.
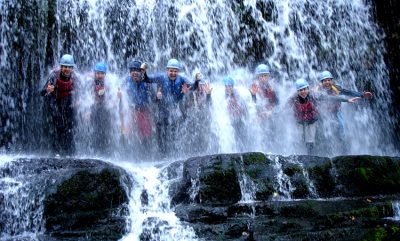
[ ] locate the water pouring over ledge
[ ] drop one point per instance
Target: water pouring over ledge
(295, 39)
(229, 36)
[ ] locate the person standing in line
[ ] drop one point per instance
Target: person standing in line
(139, 97)
(266, 100)
(59, 93)
(100, 115)
(333, 116)
(305, 110)
(237, 111)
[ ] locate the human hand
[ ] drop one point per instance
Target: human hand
(207, 88)
(144, 66)
(159, 94)
(185, 88)
(253, 89)
(353, 100)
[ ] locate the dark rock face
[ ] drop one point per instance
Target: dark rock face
(208, 196)
(90, 203)
(387, 16)
(81, 199)
(218, 183)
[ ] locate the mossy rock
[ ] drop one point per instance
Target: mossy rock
(255, 158)
(87, 202)
(368, 175)
(292, 169)
(265, 190)
(323, 179)
(219, 187)
(383, 233)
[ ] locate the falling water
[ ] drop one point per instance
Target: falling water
(283, 185)
(21, 204)
(396, 210)
(247, 186)
(151, 214)
(295, 38)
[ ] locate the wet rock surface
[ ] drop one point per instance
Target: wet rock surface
(343, 198)
(66, 199)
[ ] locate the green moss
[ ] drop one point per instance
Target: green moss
(220, 187)
(254, 158)
(323, 179)
(264, 191)
(253, 173)
(370, 212)
(293, 169)
(364, 173)
(391, 233)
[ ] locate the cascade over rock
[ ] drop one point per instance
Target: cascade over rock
(291, 198)
(66, 198)
(365, 186)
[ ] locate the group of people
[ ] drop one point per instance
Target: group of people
(164, 106)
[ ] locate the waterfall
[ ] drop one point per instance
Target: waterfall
(247, 186)
(396, 210)
(22, 202)
(295, 38)
(151, 214)
(283, 185)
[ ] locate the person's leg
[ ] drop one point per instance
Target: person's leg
(310, 133)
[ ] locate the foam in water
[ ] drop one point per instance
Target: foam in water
(295, 38)
(151, 214)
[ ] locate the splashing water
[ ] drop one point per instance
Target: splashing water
(295, 38)
(151, 215)
(396, 210)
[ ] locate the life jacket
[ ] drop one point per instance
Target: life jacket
(305, 109)
(63, 85)
(99, 91)
(234, 108)
(270, 95)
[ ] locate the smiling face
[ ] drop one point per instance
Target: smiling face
(99, 75)
(172, 73)
(327, 83)
(136, 74)
(303, 92)
(67, 70)
(263, 79)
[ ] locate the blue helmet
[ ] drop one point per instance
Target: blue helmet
(100, 67)
(67, 60)
(134, 65)
(229, 81)
(262, 69)
(301, 84)
(325, 75)
(173, 64)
